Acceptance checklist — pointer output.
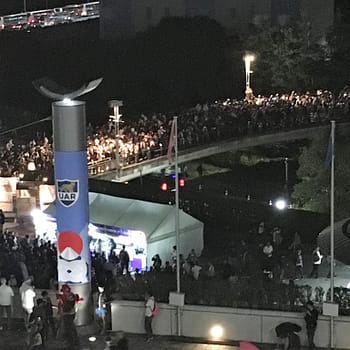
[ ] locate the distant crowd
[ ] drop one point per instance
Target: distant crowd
(147, 137)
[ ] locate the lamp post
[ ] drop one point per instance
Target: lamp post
(286, 173)
(116, 118)
(248, 59)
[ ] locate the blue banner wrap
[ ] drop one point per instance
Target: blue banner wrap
(72, 215)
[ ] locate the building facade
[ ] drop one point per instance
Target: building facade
(123, 18)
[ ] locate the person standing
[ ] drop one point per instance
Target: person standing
(66, 310)
(311, 317)
(6, 301)
(299, 265)
(49, 312)
(149, 307)
(124, 260)
(292, 342)
(101, 310)
(38, 316)
(316, 262)
(2, 221)
(27, 297)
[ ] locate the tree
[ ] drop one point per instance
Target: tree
(288, 58)
(180, 62)
(338, 62)
(313, 191)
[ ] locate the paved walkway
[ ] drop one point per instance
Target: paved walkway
(16, 340)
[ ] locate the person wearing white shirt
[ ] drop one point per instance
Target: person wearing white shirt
(149, 307)
(27, 297)
(268, 250)
(6, 300)
(316, 262)
(196, 269)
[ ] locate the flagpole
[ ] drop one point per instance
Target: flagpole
(332, 227)
(177, 225)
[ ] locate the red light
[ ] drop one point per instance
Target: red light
(182, 182)
(164, 186)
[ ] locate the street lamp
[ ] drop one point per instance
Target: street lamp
(248, 59)
(31, 166)
(116, 118)
(286, 174)
(281, 204)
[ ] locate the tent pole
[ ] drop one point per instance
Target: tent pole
(332, 230)
(177, 227)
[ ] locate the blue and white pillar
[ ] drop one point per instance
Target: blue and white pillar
(72, 202)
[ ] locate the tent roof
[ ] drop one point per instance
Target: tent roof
(156, 220)
(341, 241)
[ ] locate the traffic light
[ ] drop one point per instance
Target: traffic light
(182, 182)
(164, 186)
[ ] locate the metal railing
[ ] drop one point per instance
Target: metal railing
(50, 17)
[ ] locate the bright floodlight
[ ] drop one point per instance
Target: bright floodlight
(249, 58)
(37, 214)
(281, 204)
(31, 166)
(67, 101)
(216, 332)
(92, 339)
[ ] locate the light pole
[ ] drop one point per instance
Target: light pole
(248, 59)
(24, 5)
(116, 118)
(286, 173)
(286, 178)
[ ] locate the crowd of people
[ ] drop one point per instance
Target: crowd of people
(258, 271)
(147, 137)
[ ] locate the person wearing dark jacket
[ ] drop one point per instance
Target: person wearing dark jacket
(311, 317)
(2, 221)
(292, 342)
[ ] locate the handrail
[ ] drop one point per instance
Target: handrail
(31, 19)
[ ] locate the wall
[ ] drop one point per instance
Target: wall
(238, 324)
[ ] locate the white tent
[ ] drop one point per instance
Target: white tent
(341, 240)
(157, 221)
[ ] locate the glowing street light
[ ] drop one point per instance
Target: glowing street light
(31, 166)
(216, 332)
(116, 118)
(248, 59)
(281, 204)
